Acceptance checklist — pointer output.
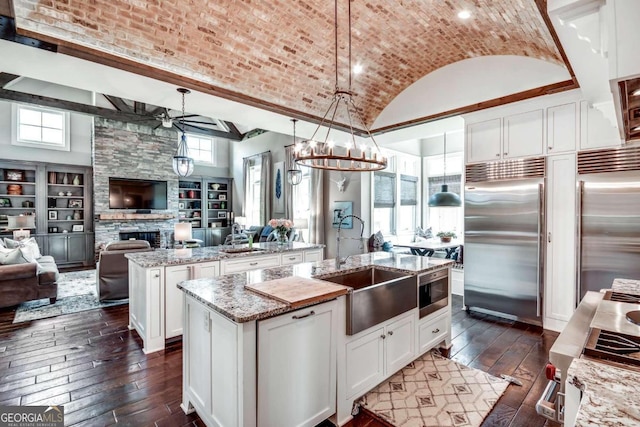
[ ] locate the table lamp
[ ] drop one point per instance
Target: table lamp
(301, 224)
(241, 221)
(182, 232)
(18, 223)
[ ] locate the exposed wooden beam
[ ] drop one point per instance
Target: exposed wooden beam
(119, 103)
(6, 8)
(232, 128)
(139, 107)
(76, 107)
(211, 132)
(6, 78)
(8, 32)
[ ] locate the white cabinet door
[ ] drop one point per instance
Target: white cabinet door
(197, 355)
(289, 258)
(313, 255)
(400, 343)
(484, 141)
(560, 280)
(297, 367)
(174, 298)
(249, 263)
(523, 135)
(562, 128)
(596, 130)
(207, 269)
(365, 362)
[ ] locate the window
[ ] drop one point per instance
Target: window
(445, 219)
(40, 127)
(301, 206)
(252, 200)
(201, 148)
(396, 196)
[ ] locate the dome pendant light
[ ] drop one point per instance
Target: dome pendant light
(445, 199)
(182, 163)
(363, 156)
(294, 175)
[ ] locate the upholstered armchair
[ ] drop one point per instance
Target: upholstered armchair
(113, 268)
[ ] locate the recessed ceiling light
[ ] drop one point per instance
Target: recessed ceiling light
(357, 69)
(464, 14)
(636, 93)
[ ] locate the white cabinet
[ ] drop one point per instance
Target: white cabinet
(596, 130)
(297, 367)
(378, 353)
(433, 329)
(509, 137)
(197, 356)
(249, 263)
(523, 135)
(174, 296)
(563, 128)
(484, 142)
(560, 283)
(146, 305)
(291, 258)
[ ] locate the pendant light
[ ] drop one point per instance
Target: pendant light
(445, 198)
(182, 163)
(294, 175)
(364, 156)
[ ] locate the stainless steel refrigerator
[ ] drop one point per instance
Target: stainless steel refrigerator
(609, 217)
(504, 225)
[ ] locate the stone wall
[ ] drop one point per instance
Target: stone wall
(126, 150)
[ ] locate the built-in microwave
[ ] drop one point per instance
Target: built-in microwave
(433, 291)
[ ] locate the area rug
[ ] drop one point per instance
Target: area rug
(435, 391)
(76, 292)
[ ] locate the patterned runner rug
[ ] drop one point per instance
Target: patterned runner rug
(76, 292)
(434, 391)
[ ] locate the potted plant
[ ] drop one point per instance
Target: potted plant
(446, 236)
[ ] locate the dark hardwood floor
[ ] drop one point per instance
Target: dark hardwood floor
(90, 363)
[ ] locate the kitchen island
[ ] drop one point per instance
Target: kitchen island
(155, 303)
(310, 368)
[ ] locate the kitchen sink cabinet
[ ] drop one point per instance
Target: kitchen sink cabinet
(379, 352)
(297, 360)
(433, 329)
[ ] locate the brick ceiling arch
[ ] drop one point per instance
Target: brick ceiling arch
(281, 52)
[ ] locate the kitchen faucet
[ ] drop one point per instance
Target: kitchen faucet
(339, 261)
(235, 226)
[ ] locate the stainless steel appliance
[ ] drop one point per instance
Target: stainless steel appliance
(504, 227)
(609, 217)
(433, 291)
(597, 330)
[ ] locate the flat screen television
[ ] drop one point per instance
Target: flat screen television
(127, 193)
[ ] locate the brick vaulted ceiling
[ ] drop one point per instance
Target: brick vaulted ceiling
(280, 53)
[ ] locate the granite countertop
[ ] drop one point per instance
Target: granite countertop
(627, 286)
(228, 296)
(163, 257)
(609, 394)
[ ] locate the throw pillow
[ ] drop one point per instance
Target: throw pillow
(30, 243)
(14, 256)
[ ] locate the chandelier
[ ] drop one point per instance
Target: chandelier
(182, 163)
(294, 175)
(324, 154)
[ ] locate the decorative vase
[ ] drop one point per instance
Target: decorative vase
(191, 194)
(52, 178)
(445, 239)
(77, 215)
(65, 179)
(76, 180)
(282, 239)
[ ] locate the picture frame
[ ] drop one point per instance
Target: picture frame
(222, 197)
(340, 210)
(278, 188)
(181, 205)
(5, 202)
(13, 175)
(75, 203)
(53, 215)
(77, 227)
(222, 214)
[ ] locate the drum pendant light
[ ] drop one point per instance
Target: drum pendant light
(182, 163)
(445, 198)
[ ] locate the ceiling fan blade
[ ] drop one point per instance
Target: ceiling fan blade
(196, 127)
(202, 123)
(185, 116)
(157, 126)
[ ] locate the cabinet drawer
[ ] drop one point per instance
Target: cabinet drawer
(250, 263)
(431, 332)
(291, 258)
